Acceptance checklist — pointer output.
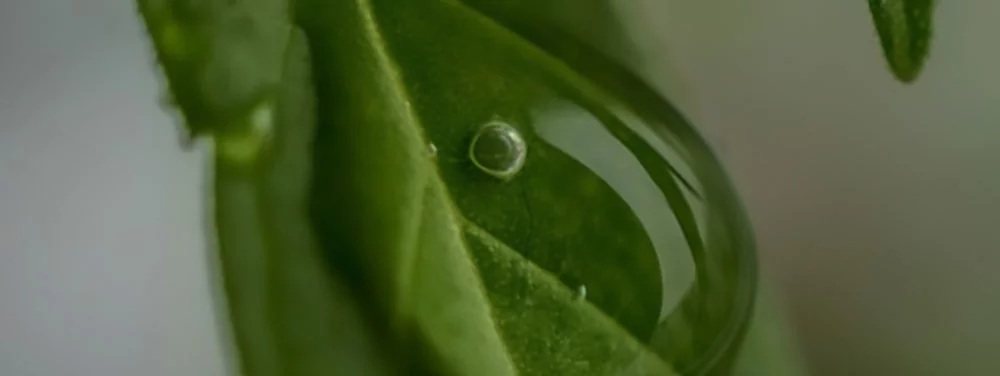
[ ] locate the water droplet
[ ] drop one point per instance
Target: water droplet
(433, 150)
(498, 149)
(261, 119)
(671, 183)
(581, 293)
(244, 146)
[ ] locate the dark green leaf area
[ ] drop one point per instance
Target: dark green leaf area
(555, 212)
(904, 29)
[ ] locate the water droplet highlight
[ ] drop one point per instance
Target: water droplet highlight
(581, 293)
(433, 150)
(244, 146)
(498, 149)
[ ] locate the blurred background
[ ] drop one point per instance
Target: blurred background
(874, 202)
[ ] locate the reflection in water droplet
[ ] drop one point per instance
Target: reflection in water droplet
(682, 198)
(581, 135)
(498, 149)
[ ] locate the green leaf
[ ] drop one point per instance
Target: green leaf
(904, 28)
(350, 215)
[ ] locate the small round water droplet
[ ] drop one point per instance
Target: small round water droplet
(433, 150)
(498, 149)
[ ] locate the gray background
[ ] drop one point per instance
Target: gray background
(875, 203)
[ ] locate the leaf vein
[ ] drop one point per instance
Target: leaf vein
(398, 90)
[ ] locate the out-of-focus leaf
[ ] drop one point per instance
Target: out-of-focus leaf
(221, 58)
(290, 314)
(904, 29)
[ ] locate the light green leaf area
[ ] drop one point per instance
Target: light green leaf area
(904, 29)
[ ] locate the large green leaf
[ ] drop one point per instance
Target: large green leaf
(414, 94)
(350, 216)
(904, 28)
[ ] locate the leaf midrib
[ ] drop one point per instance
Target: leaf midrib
(430, 180)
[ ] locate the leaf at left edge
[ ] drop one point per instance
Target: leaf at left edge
(287, 314)
(286, 306)
(221, 58)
